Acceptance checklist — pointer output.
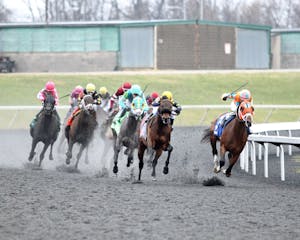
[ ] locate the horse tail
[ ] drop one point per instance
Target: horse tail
(206, 135)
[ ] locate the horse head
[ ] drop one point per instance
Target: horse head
(137, 107)
(87, 104)
(48, 104)
(165, 110)
(245, 113)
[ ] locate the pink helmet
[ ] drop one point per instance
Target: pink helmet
(50, 86)
(126, 86)
(78, 89)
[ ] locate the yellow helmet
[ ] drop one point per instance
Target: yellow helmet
(103, 90)
(168, 95)
(90, 87)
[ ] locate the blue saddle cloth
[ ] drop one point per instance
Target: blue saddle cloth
(222, 122)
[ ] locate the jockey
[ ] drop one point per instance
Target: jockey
(48, 89)
(104, 96)
(237, 98)
(75, 95)
(176, 107)
(151, 98)
(126, 100)
(90, 89)
(115, 97)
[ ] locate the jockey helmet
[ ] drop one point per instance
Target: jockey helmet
(136, 89)
(126, 86)
(90, 88)
(154, 95)
(50, 86)
(168, 95)
(103, 90)
(78, 89)
(245, 95)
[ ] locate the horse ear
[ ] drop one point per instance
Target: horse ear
(252, 108)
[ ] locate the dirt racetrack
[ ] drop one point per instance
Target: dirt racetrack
(59, 203)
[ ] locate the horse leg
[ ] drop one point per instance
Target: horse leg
(117, 149)
(42, 155)
(166, 169)
(82, 146)
(213, 143)
(69, 152)
(32, 152)
(232, 161)
(86, 160)
(154, 163)
(222, 157)
(141, 151)
(51, 154)
(130, 157)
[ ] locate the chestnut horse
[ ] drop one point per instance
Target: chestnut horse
(158, 138)
(46, 129)
(232, 139)
(82, 128)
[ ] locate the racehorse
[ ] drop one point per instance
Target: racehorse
(232, 139)
(82, 128)
(128, 133)
(46, 129)
(158, 138)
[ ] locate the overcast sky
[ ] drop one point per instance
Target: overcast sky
(19, 9)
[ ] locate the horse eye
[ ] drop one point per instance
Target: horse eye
(133, 104)
(242, 109)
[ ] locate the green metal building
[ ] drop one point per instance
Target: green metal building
(107, 46)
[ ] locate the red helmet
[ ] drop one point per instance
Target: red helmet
(50, 86)
(126, 86)
(154, 95)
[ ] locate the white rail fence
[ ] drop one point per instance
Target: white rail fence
(261, 135)
(206, 108)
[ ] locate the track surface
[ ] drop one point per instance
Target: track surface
(59, 203)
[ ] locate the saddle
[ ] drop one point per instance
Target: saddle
(222, 122)
(74, 114)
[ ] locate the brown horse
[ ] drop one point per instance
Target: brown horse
(82, 128)
(158, 138)
(232, 139)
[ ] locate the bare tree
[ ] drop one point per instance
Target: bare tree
(5, 13)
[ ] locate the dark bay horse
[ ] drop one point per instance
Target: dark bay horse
(158, 138)
(232, 139)
(129, 132)
(46, 129)
(82, 128)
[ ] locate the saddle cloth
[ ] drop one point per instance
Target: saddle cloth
(222, 122)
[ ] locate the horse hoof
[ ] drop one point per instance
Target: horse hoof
(217, 170)
(68, 161)
(115, 170)
(153, 179)
(228, 174)
(51, 158)
(166, 170)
